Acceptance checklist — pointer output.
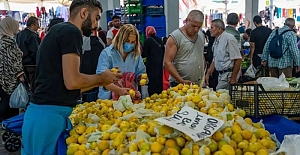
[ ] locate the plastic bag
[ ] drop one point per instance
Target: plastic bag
(290, 145)
(19, 98)
(250, 72)
(271, 83)
(123, 103)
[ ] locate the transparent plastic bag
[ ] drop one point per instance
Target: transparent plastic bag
(271, 83)
(20, 97)
(290, 145)
(250, 72)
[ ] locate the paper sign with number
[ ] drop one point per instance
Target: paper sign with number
(194, 123)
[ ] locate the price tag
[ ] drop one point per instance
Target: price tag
(267, 2)
(194, 123)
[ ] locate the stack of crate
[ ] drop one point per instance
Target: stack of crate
(155, 16)
(134, 15)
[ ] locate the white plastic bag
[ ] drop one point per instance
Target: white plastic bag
(272, 83)
(123, 103)
(250, 72)
(19, 98)
(290, 145)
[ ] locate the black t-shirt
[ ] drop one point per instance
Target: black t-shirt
(63, 38)
(259, 37)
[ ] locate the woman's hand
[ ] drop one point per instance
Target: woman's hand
(21, 78)
(123, 91)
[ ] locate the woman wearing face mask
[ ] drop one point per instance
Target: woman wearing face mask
(11, 69)
(124, 53)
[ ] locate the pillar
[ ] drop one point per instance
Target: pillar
(172, 15)
(251, 9)
(6, 5)
(107, 5)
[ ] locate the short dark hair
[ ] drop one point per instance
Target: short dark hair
(31, 21)
(115, 17)
(54, 22)
(248, 32)
(257, 19)
(232, 19)
(77, 5)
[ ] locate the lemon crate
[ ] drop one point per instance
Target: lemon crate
(257, 102)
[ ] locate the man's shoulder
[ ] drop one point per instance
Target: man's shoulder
(65, 28)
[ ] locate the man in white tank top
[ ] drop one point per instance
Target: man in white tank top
(184, 57)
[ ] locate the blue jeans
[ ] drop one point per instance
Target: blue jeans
(42, 127)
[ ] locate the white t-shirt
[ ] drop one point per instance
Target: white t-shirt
(110, 34)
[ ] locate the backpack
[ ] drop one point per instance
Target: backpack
(275, 46)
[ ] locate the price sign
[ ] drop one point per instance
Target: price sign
(267, 2)
(194, 123)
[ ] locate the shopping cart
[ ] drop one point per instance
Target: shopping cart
(12, 137)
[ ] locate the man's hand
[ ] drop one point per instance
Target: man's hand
(297, 69)
(207, 79)
(185, 81)
(264, 63)
(251, 61)
(233, 80)
(122, 91)
(109, 77)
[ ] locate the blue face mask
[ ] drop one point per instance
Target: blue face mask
(127, 47)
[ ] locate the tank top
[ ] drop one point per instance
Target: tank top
(188, 60)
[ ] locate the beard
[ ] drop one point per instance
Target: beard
(86, 26)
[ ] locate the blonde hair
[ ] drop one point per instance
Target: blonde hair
(122, 37)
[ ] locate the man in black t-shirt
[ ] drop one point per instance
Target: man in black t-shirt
(58, 80)
(258, 39)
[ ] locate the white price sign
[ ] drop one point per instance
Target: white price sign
(194, 123)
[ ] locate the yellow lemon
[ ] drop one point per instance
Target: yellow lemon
(156, 147)
(70, 140)
(79, 152)
(228, 150)
(186, 151)
(103, 145)
(246, 134)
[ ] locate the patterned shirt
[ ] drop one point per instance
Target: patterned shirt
(291, 51)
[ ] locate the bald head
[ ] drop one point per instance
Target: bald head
(196, 15)
(290, 22)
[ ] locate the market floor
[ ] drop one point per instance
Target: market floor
(2, 148)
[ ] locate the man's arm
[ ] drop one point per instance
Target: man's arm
(266, 52)
(293, 47)
(73, 79)
(252, 48)
(33, 46)
(235, 55)
(171, 50)
(109, 37)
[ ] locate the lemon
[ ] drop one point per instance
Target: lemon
(144, 76)
(196, 99)
(103, 145)
(262, 152)
(156, 147)
(165, 130)
(90, 129)
(246, 134)
(70, 140)
(180, 141)
(219, 153)
(131, 92)
(172, 151)
(143, 82)
(80, 129)
(161, 140)
(230, 107)
(248, 121)
(170, 143)
(228, 150)
(133, 147)
(217, 136)
(79, 152)
(186, 151)
(249, 153)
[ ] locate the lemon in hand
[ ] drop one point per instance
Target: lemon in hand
(131, 92)
(115, 70)
(144, 76)
(143, 82)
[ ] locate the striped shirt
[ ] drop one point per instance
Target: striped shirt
(291, 51)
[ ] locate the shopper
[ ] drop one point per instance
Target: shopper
(184, 51)
(59, 81)
(11, 68)
(289, 48)
(125, 54)
(28, 42)
(258, 39)
(154, 51)
(116, 21)
(92, 47)
(227, 58)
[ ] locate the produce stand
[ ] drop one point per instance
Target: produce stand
(107, 127)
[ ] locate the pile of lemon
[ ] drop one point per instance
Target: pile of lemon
(99, 129)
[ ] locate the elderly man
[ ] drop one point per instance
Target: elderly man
(290, 51)
(227, 57)
(184, 51)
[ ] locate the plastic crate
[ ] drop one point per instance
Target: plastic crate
(132, 1)
(156, 21)
(153, 2)
(133, 9)
(160, 31)
(279, 126)
(155, 11)
(257, 102)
